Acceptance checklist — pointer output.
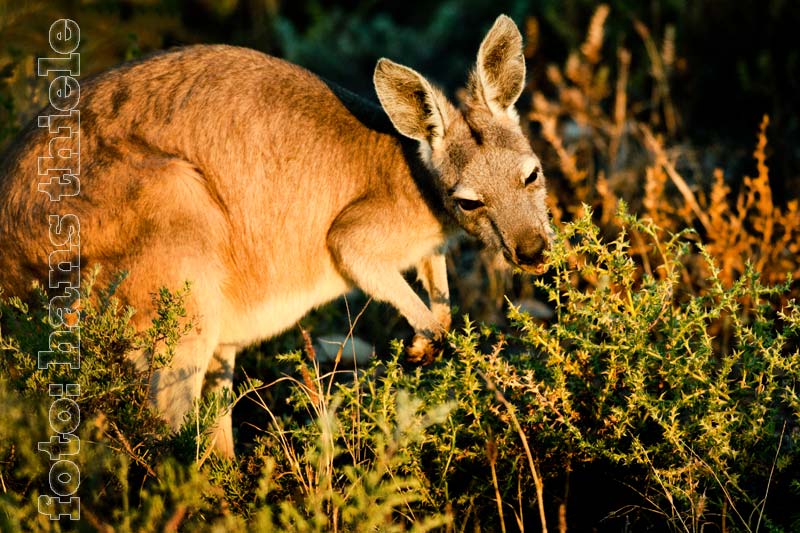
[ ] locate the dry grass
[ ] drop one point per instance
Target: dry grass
(605, 151)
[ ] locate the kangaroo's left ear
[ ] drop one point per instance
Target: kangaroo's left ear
(415, 107)
(499, 75)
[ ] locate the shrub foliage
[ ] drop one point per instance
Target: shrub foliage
(627, 379)
(654, 385)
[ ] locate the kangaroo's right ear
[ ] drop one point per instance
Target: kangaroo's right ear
(415, 108)
(499, 75)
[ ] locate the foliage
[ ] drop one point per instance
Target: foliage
(628, 377)
(649, 380)
(601, 153)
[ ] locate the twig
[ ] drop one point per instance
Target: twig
(721, 486)
(675, 512)
(207, 452)
(491, 454)
(131, 453)
(537, 480)
(562, 509)
(95, 521)
(466, 516)
(176, 519)
(769, 480)
(676, 178)
(520, 514)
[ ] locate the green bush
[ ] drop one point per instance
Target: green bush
(687, 430)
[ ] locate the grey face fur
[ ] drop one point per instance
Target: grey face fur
(500, 199)
(491, 181)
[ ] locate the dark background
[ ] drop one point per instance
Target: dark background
(736, 60)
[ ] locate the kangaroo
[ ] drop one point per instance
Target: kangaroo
(273, 192)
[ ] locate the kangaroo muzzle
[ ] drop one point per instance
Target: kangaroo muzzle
(528, 253)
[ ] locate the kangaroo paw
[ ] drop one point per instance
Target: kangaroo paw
(423, 349)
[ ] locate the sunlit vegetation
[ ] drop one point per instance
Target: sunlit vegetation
(647, 382)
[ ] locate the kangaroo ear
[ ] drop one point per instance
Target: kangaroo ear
(499, 75)
(415, 108)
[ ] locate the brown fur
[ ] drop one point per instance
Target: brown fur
(274, 192)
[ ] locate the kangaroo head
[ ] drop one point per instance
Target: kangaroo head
(491, 181)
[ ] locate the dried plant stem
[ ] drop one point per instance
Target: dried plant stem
(769, 480)
(724, 525)
(537, 480)
(175, 520)
(95, 521)
(566, 160)
(620, 103)
(131, 452)
(661, 92)
(519, 514)
(491, 451)
(683, 187)
(593, 45)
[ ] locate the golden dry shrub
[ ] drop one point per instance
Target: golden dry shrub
(605, 149)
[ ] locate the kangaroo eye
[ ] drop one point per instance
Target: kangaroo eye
(533, 176)
(469, 205)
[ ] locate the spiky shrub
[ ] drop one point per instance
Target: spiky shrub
(135, 476)
(629, 373)
(121, 440)
(626, 377)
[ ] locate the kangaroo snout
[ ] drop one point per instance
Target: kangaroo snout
(529, 251)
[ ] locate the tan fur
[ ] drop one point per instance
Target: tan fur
(274, 192)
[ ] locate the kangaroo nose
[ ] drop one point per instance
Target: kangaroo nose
(529, 250)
